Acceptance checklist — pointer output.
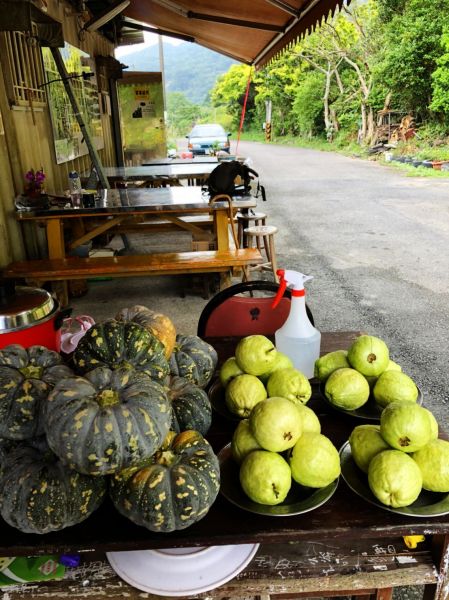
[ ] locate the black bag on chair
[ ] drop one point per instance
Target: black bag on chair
(222, 179)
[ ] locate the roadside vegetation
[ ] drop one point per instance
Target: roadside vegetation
(375, 62)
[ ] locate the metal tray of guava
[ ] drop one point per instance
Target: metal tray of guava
(428, 504)
(218, 403)
(299, 499)
(370, 411)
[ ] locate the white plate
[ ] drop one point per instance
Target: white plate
(181, 571)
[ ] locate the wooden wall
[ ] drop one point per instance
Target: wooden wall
(27, 141)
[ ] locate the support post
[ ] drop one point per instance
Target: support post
(79, 117)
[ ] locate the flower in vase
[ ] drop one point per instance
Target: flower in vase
(34, 182)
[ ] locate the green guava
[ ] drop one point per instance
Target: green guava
(347, 389)
(327, 364)
(433, 424)
(243, 393)
(265, 477)
(394, 386)
(255, 354)
(229, 369)
(366, 442)
(291, 384)
(243, 442)
(405, 426)
(310, 421)
(433, 461)
(369, 355)
(393, 366)
(394, 478)
(276, 424)
(282, 361)
(314, 460)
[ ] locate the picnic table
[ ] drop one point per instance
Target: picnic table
(145, 210)
(347, 544)
(193, 173)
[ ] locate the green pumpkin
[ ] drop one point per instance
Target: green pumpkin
(173, 490)
(116, 344)
(109, 420)
(39, 493)
(194, 359)
(191, 406)
(27, 375)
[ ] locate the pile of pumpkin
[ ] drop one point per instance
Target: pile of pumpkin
(128, 419)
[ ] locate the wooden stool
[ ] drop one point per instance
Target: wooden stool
(265, 233)
(244, 220)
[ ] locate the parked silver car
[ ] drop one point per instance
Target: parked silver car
(207, 138)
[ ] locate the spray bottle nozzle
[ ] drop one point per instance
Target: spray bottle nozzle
(282, 286)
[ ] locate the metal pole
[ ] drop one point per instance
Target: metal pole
(162, 69)
(79, 117)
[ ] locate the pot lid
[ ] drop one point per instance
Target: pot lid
(22, 306)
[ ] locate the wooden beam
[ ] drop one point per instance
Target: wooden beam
(234, 22)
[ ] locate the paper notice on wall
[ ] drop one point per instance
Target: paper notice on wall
(144, 105)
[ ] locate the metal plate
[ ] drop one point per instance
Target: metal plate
(299, 499)
(370, 411)
(428, 504)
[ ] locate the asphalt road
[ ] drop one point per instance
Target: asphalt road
(377, 244)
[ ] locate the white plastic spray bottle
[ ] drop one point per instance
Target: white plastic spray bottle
(297, 338)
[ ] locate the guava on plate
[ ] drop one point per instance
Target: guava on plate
(405, 426)
(265, 477)
(255, 354)
(394, 478)
(314, 460)
(291, 384)
(243, 393)
(347, 389)
(394, 386)
(433, 461)
(366, 441)
(369, 355)
(330, 362)
(243, 442)
(276, 424)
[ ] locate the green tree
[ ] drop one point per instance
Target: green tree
(440, 79)
(182, 114)
(408, 50)
(230, 90)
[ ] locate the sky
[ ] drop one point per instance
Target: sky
(150, 40)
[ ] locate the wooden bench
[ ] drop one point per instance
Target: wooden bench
(173, 263)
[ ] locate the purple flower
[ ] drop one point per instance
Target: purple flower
(29, 176)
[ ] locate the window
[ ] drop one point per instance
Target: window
(22, 64)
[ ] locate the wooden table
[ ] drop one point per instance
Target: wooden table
(144, 210)
(174, 173)
(297, 553)
(126, 207)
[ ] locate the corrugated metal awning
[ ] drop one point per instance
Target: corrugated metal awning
(251, 31)
(23, 15)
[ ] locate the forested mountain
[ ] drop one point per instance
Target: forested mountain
(189, 68)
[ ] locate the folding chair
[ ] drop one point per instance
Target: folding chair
(237, 311)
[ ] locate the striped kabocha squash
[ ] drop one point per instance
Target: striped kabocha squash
(194, 359)
(109, 420)
(158, 324)
(39, 493)
(191, 406)
(173, 490)
(27, 375)
(117, 344)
